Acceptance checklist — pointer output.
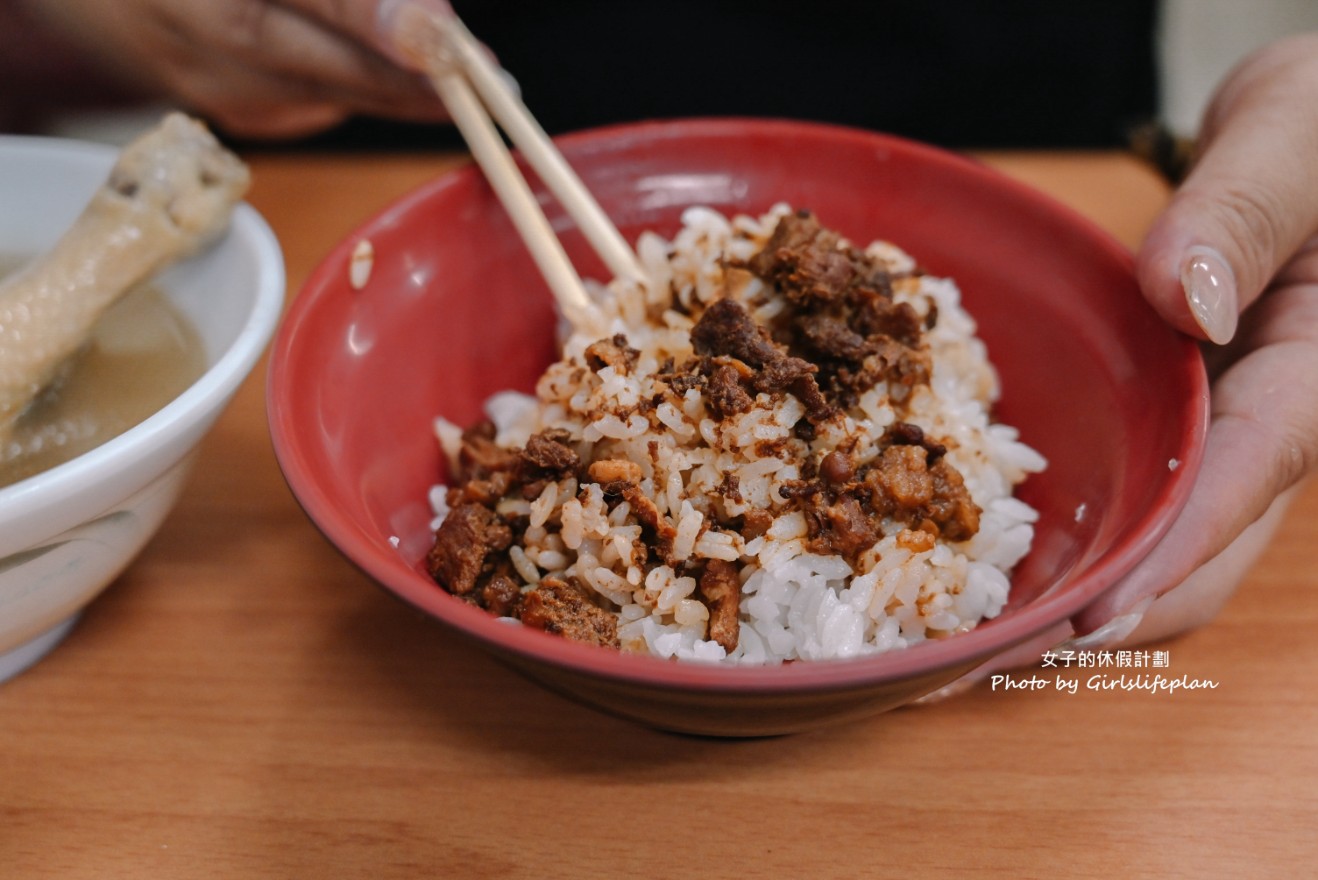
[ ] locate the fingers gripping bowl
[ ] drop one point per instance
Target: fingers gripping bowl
(453, 311)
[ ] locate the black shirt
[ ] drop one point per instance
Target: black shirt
(960, 73)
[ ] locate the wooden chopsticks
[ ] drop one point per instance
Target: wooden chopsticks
(470, 83)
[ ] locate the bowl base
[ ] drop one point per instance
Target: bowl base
(15, 660)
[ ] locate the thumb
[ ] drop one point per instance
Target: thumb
(377, 24)
(1250, 201)
(396, 22)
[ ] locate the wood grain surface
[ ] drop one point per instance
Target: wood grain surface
(242, 703)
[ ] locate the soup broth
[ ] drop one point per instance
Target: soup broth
(143, 353)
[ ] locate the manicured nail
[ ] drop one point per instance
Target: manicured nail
(1210, 291)
(1111, 632)
(511, 82)
(406, 28)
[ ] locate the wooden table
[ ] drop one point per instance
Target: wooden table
(242, 703)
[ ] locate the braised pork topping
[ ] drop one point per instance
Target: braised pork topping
(840, 334)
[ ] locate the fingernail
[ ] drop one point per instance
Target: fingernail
(406, 29)
(511, 82)
(1111, 632)
(1210, 291)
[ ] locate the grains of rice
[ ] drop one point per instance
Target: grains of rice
(795, 605)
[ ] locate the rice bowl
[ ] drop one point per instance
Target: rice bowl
(454, 312)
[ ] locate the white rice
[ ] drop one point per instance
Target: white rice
(795, 605)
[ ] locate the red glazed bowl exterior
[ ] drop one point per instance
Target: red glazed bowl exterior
(454, 311)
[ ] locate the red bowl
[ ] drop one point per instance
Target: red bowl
(454, 310)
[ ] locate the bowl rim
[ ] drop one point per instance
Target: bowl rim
(388, 571)
(206, 394)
